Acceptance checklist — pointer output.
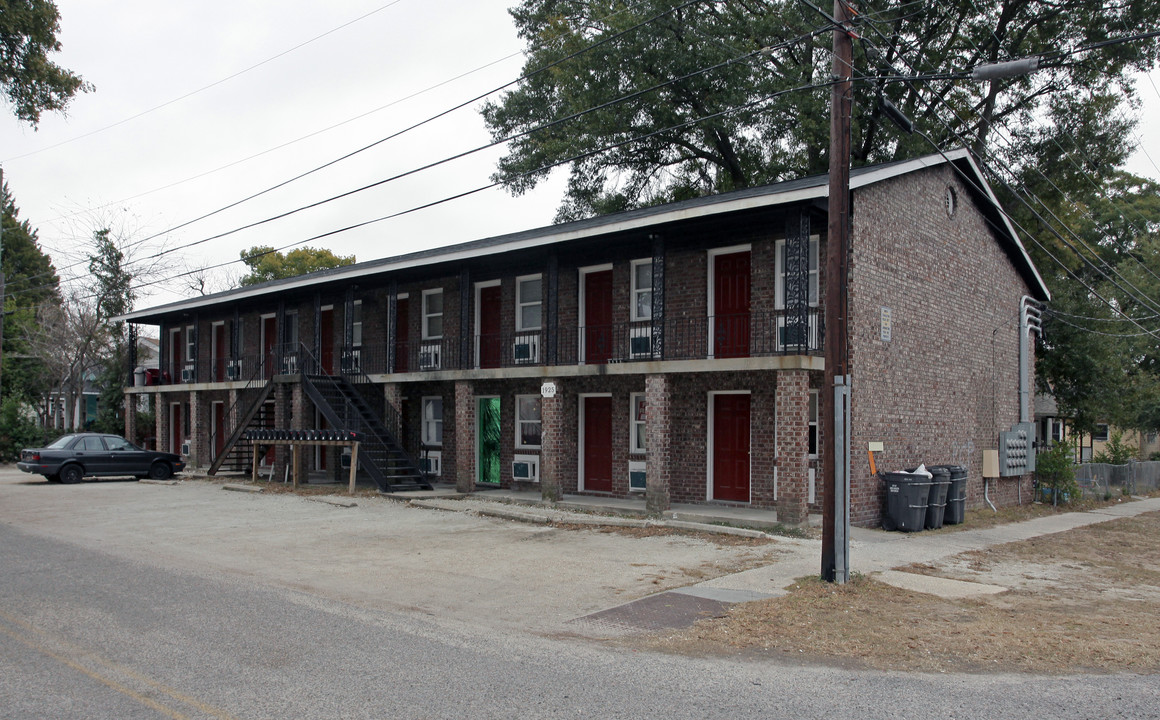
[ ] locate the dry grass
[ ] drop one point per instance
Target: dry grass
(1081, 601)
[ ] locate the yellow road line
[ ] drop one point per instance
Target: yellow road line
(109, 682)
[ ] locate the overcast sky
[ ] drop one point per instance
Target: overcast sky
(151, 149)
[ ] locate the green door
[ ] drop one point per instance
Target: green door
(489, 437)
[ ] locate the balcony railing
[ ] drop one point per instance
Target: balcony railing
(681, 338)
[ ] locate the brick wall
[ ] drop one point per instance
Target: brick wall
(946, 383)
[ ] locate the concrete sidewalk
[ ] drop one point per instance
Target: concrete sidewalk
(874, 551)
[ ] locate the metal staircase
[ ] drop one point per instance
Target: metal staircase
(238, 456)
(380, 454)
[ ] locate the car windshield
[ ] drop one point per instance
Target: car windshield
(61, 441)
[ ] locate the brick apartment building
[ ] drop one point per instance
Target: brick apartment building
(671, 354)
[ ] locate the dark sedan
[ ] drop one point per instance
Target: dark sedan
(73, 457)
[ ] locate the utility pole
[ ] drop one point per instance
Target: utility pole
(835, 392)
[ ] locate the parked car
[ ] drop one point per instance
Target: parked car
(73, 457)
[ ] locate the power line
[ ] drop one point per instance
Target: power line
(214, 84)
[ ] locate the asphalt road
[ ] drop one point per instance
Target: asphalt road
(109, 609)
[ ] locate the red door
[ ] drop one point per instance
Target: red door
(598, 317)
(731, 305)
(490, 333)
(221, 350)
(731, 447)
(326, 340)
(176, 355)
(598, 444)
(402, 329)
(269, 337)
(219, 428)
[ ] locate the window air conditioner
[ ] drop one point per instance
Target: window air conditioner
(797, 336)
(187, 374)
(185, 448)
(526, 351)
(526, 468)
(432, 464)
(430, 357)
(352, 361)
(233, 371)
(290, 365)
(636, 476)
(640, 346)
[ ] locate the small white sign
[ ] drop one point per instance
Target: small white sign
(548, 389)
(886, 325)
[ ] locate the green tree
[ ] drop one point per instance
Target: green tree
(32, 82)
(114, 296)
(30, 282)
(267, 264)
(767, 136)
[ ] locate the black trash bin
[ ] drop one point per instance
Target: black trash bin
(906, 499)
(937, 502)
(957, 496)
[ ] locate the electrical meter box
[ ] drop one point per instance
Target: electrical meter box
(1017, 450)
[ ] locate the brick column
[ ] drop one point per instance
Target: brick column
(299, 405)
(658, 400)
(131, 417)
(281, 422)
(464, 436)
(793, 446)
(161, 420)
(393, 396)
(554, 445)
(197, 431)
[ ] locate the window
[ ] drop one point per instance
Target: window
(1056, 430)
(432, 421)
(432, 314)
(529, 301)
(642, 286)
(813, 431)
(190, 344)
(780, 281)
(527, 421)
(1101, 434)
(292, 329)
(356, 323)
(637, 444)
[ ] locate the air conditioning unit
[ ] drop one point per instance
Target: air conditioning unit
(185, 448)
(526, 351)
(526, 468)
(636, 476)
(187, 374)
(233, 371)
(430, 357)
(352, 361)
(796, 336)
(432, 464)
(290, 365)
(640, 346)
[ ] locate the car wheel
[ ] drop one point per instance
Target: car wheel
(71, 474)
(160, 471)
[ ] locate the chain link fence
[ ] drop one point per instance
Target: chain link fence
(1103, 480)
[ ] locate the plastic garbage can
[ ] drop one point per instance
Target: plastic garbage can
(906, 500)
(937, 501)
(956, 496)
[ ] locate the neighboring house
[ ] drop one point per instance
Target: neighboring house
(1052, 427)
(671, 354)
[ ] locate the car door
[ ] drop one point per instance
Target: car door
(90, 451)
(125, 458)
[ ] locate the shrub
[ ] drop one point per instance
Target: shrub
(19, 431)
(1116, 451)
(1054, 469)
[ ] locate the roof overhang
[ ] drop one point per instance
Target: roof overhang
(804, 190)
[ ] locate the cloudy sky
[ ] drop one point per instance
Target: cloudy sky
(199, 105)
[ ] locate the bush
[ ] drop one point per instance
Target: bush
(1055, 470)
(19, 431)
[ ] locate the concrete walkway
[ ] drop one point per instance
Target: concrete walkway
(871, 551)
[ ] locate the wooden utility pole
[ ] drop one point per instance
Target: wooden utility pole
(835, 478)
